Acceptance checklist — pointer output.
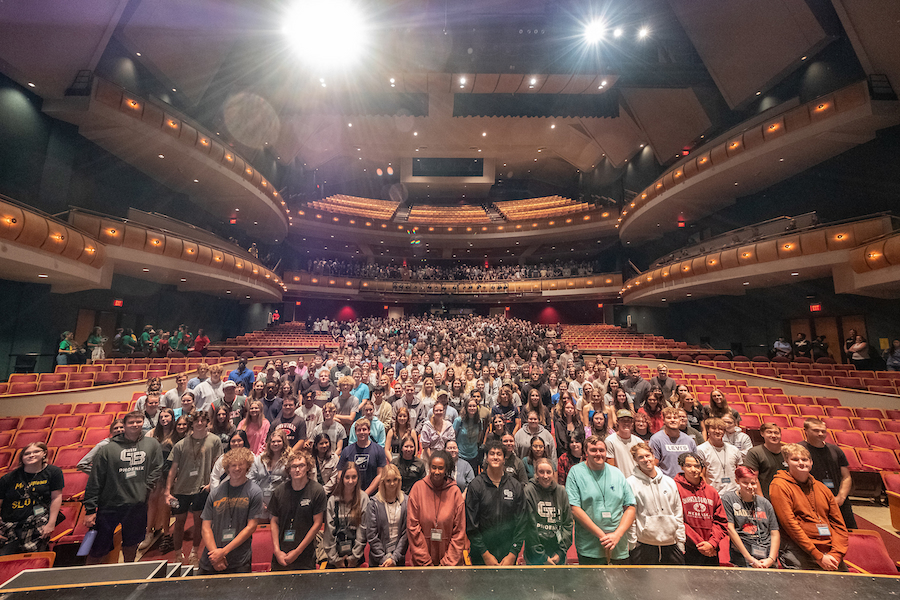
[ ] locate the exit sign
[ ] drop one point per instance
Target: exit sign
(815, 308)
(118, 303)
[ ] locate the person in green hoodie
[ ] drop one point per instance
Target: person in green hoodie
(123, 473)
(548, 532)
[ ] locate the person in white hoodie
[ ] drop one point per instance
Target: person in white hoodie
(657, 535)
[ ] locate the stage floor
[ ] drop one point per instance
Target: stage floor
(509, 583)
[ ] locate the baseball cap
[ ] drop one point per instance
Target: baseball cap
(292, 364)
(229, 384)
(623, 413)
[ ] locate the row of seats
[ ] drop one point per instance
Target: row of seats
(369, 208)
(448, 215)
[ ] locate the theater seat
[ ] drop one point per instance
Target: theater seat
(879, 460)
(855, 439)
(12, 565)
(891, 481)
(868, 554)
(883, 439)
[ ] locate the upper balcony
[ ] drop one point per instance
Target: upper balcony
(755, 155)
(154, 138)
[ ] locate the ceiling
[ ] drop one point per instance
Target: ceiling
(510, 81)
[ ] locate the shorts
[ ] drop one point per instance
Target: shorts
(132, 517)
(190, 502)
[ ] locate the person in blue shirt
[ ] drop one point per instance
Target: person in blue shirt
(243, 375)
(670, 442)
(361, 391)
(603, 506)
(377, 432)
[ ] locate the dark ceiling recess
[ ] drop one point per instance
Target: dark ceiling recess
(537, 105)
(448, 167)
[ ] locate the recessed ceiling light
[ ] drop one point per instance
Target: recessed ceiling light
(43, 275)
(484, 134)
(161, 155)
(746, 283)
(138, 54)
(30, 84)
(196, 181)
(795, 274)
(145, 270)
(174, 90)
(248, 297)
(183, 279)
(227, 291)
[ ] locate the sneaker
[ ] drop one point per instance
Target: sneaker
(148, 540)
(193, 558)
(165, 544)
(179, 558)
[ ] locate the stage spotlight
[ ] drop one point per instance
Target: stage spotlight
(326, 34)
(593, 31)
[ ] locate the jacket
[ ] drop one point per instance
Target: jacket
(378, 535)
(431, 508)
(659, 515)
(704, 516)
(123, 473)
(799, 515)
(549, 526)
(341, 538)
(495, 516)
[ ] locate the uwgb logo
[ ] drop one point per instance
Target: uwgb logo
(133, 456)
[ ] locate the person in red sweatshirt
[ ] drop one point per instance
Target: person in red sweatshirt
(705, 521)
(813, 533)
(436, 516)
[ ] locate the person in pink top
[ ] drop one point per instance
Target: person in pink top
(256, 426)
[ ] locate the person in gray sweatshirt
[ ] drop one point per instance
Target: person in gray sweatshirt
(124, 471)
(533, 428)
(548, 529)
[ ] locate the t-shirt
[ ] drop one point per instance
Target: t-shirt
(346, 407)
(229, 508)
(509, 413)
(620, 451)
(21, 492)
(295, 511)
(236, 411)
(312, 416)
(368, 460)
(195, 460)
(764, 462)
(603, 495)
(754, 521)
(335, 432)
(206, 393)
(826, 464)
(720, 465)
(667, 450)
(295, 428)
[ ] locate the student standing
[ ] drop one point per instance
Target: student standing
(657, 536)
(297, 510)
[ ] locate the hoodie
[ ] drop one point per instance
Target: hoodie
(800, 511)
(549, 528)
(659, 516)
(123, 473)
(495, 517)
(431, 508)
(523, 442)
(704, 516)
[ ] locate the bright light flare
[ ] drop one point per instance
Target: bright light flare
(643, 32)
(326, 34)
(594, 31)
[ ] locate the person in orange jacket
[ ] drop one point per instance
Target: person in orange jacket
(436, 516)
(814, 533)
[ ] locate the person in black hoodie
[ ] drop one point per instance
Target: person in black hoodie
(548, 533)
(123, 473)
(495, 513)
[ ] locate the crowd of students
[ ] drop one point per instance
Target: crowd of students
(455, 272)
(445, 442)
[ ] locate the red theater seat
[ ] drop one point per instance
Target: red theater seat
(86, 408)
(855, 439)
(880, 460)
(866, 424)
(868, 554)
(883, 439)
(69, 421)
(837, 422)
(41, 422)
(839, 411)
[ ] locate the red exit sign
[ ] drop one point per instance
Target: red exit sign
(815, 308)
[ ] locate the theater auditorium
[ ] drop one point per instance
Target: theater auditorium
(470, 297)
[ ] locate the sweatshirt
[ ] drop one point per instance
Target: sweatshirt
(549, 526)
(523, 442)
(123, 473)
(800, 511)
(431, 508)
(704, 516)
(495, 517)
(658, 521)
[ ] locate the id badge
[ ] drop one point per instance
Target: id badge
(436, 535)
(828, 483)
(38, 510)
(606, 515)
(289, 535)
(228, 535)
(823, 530)
(758, 552)
(726, 480)
(194, 473)
(130, 474)
(344, 548)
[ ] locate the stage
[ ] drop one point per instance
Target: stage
(506, 583)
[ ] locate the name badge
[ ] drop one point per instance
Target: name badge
(726, 480)
(228, 535)
(828, 483)
(758, 552)
(606, 515)
(39, 510)
(130, 474)
(194, 473)
(823, 530)
(289, 535)
(344, 548)
(436, 535)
